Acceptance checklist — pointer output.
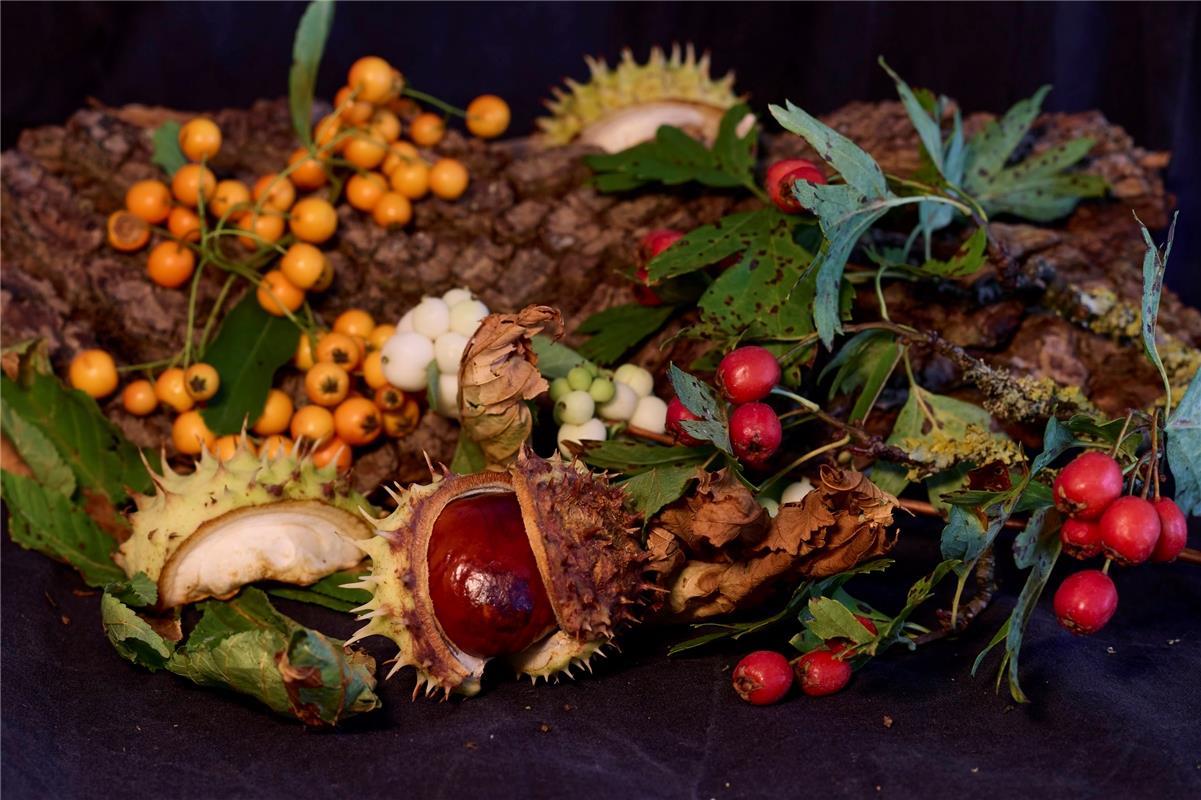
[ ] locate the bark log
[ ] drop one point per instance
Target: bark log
(530, 229)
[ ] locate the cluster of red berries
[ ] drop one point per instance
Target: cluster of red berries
(1128, 530)
(765, 677)
(745, 376)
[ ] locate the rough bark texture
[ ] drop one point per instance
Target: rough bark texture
(531, 230)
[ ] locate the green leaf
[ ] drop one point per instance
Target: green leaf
(699, 398)
(630, 457)
(927, 127)
(865, 362)
(137, 592)
(1025, 545)
(555, 360)
(1057, 438)
(249, 348)
(307, 48)
(167, 153)
(768, 294)
(1183, 432)
(893, 631)
(1155, 264)
(619, 329)
(709, 244)
(1042, 562)
(44, 520)
(249, 647)
(96, 451)
(132, 636)
(673, 157)
(37, 451)
(329, 592)
(649, 491)
(468, 458)
(967, 258)
(856, 167)
(1038, 188)
(833, 620)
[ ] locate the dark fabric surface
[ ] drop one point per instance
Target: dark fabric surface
(1117, 715)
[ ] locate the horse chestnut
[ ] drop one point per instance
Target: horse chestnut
(484, 582)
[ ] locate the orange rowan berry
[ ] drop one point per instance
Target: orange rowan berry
(306, 172)
(427, 129)
(276, 414)
(487, 116)
(392, 210)
(138, 397)
(171, 390)
(190, 435)
(355, 112)
(302, 265)
(184, 224)
(326, 384)
(354, 322)
(170, 264)
(448, 179)
(372, 79)
(94, 373)
(277, 294)
(274, 192)
(313, 220)
(199, 138)
(127, 232)
(363, 191)
(410, 179)
(150, 200)
(192, 181)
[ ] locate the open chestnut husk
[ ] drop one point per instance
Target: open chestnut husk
(538, 565)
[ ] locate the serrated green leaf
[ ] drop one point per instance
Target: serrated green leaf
(830, 619)
(893, 631)
(1057, 438)
(247, 351)
(247, 646)
(1155, 264)
(137, 592)
(989, 149)
(1183, 432)
(708, 244)
(1025, 544)
(865, 362)
(769, 293)
(629, 457)
(830, 262)
(651, 490)
(856, 167)
(37, 451)
(329, 592)
(44, 520)
(99, 455)
(132, 636)
(555, 359)
(927, 126)
(673, 157)
(618, 329)
(967, 259)
(166, 151)
(307, 49)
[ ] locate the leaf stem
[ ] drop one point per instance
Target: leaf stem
(409, 91)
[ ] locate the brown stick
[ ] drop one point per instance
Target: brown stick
(926, 510)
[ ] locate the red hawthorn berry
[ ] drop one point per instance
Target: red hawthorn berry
(676, 413)
(1085, 601)
(1173, 530)
(1129, 530)
(780, 177)
(652, 244)
(748, 374)
(1081, 538)
(820, 672)
(763, 677)
(1086, 486)
(755, 433)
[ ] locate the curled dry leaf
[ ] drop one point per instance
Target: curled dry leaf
(718, 551)
(843, 522)
(498, 374)
(720, 511)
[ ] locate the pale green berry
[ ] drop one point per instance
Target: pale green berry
(579, 378)
(558, 388)
(576, 407)
(602, 390)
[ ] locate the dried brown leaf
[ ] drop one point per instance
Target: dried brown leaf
(498, 374)
(719, 512)
(704, 589)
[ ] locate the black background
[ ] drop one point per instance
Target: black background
(1114, 715)
(1138, 63)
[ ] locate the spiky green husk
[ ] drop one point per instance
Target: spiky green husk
(165, 523)
(680, 77)
(581, 539)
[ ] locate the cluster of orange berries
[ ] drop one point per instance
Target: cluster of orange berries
(338, 416)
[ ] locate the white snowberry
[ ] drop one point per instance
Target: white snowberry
(795, 492)
(592, 430)
(576, 408)
(406, 357)
(650, 414)
(448, 350)
(448, 395)
(431, 317)
(622, 406)
(636, 378)
(406, 322)
(465, 316)
(456, 296)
